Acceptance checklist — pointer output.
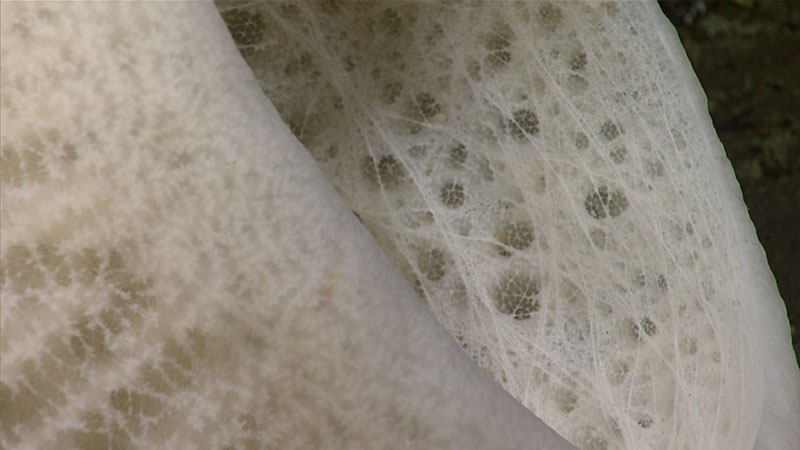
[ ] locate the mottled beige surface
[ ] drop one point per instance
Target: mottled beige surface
(177, 273)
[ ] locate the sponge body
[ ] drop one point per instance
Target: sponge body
(177, 273)
(547, 177)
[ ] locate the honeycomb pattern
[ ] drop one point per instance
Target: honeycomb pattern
(604, 203)
(516, 296)
(452, 194)
(523, 123)
(432, 264)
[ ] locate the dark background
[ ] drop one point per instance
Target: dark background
(746, 54)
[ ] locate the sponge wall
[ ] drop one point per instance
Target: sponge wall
(546, 177)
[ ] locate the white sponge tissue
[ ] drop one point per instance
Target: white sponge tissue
(182, 263)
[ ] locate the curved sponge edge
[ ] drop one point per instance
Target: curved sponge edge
(780, 418)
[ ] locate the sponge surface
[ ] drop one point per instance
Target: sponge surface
(175, 271)
(546, 177)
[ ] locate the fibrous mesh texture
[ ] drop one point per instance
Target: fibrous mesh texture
(536, 172)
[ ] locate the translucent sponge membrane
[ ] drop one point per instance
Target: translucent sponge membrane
(535, 172)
